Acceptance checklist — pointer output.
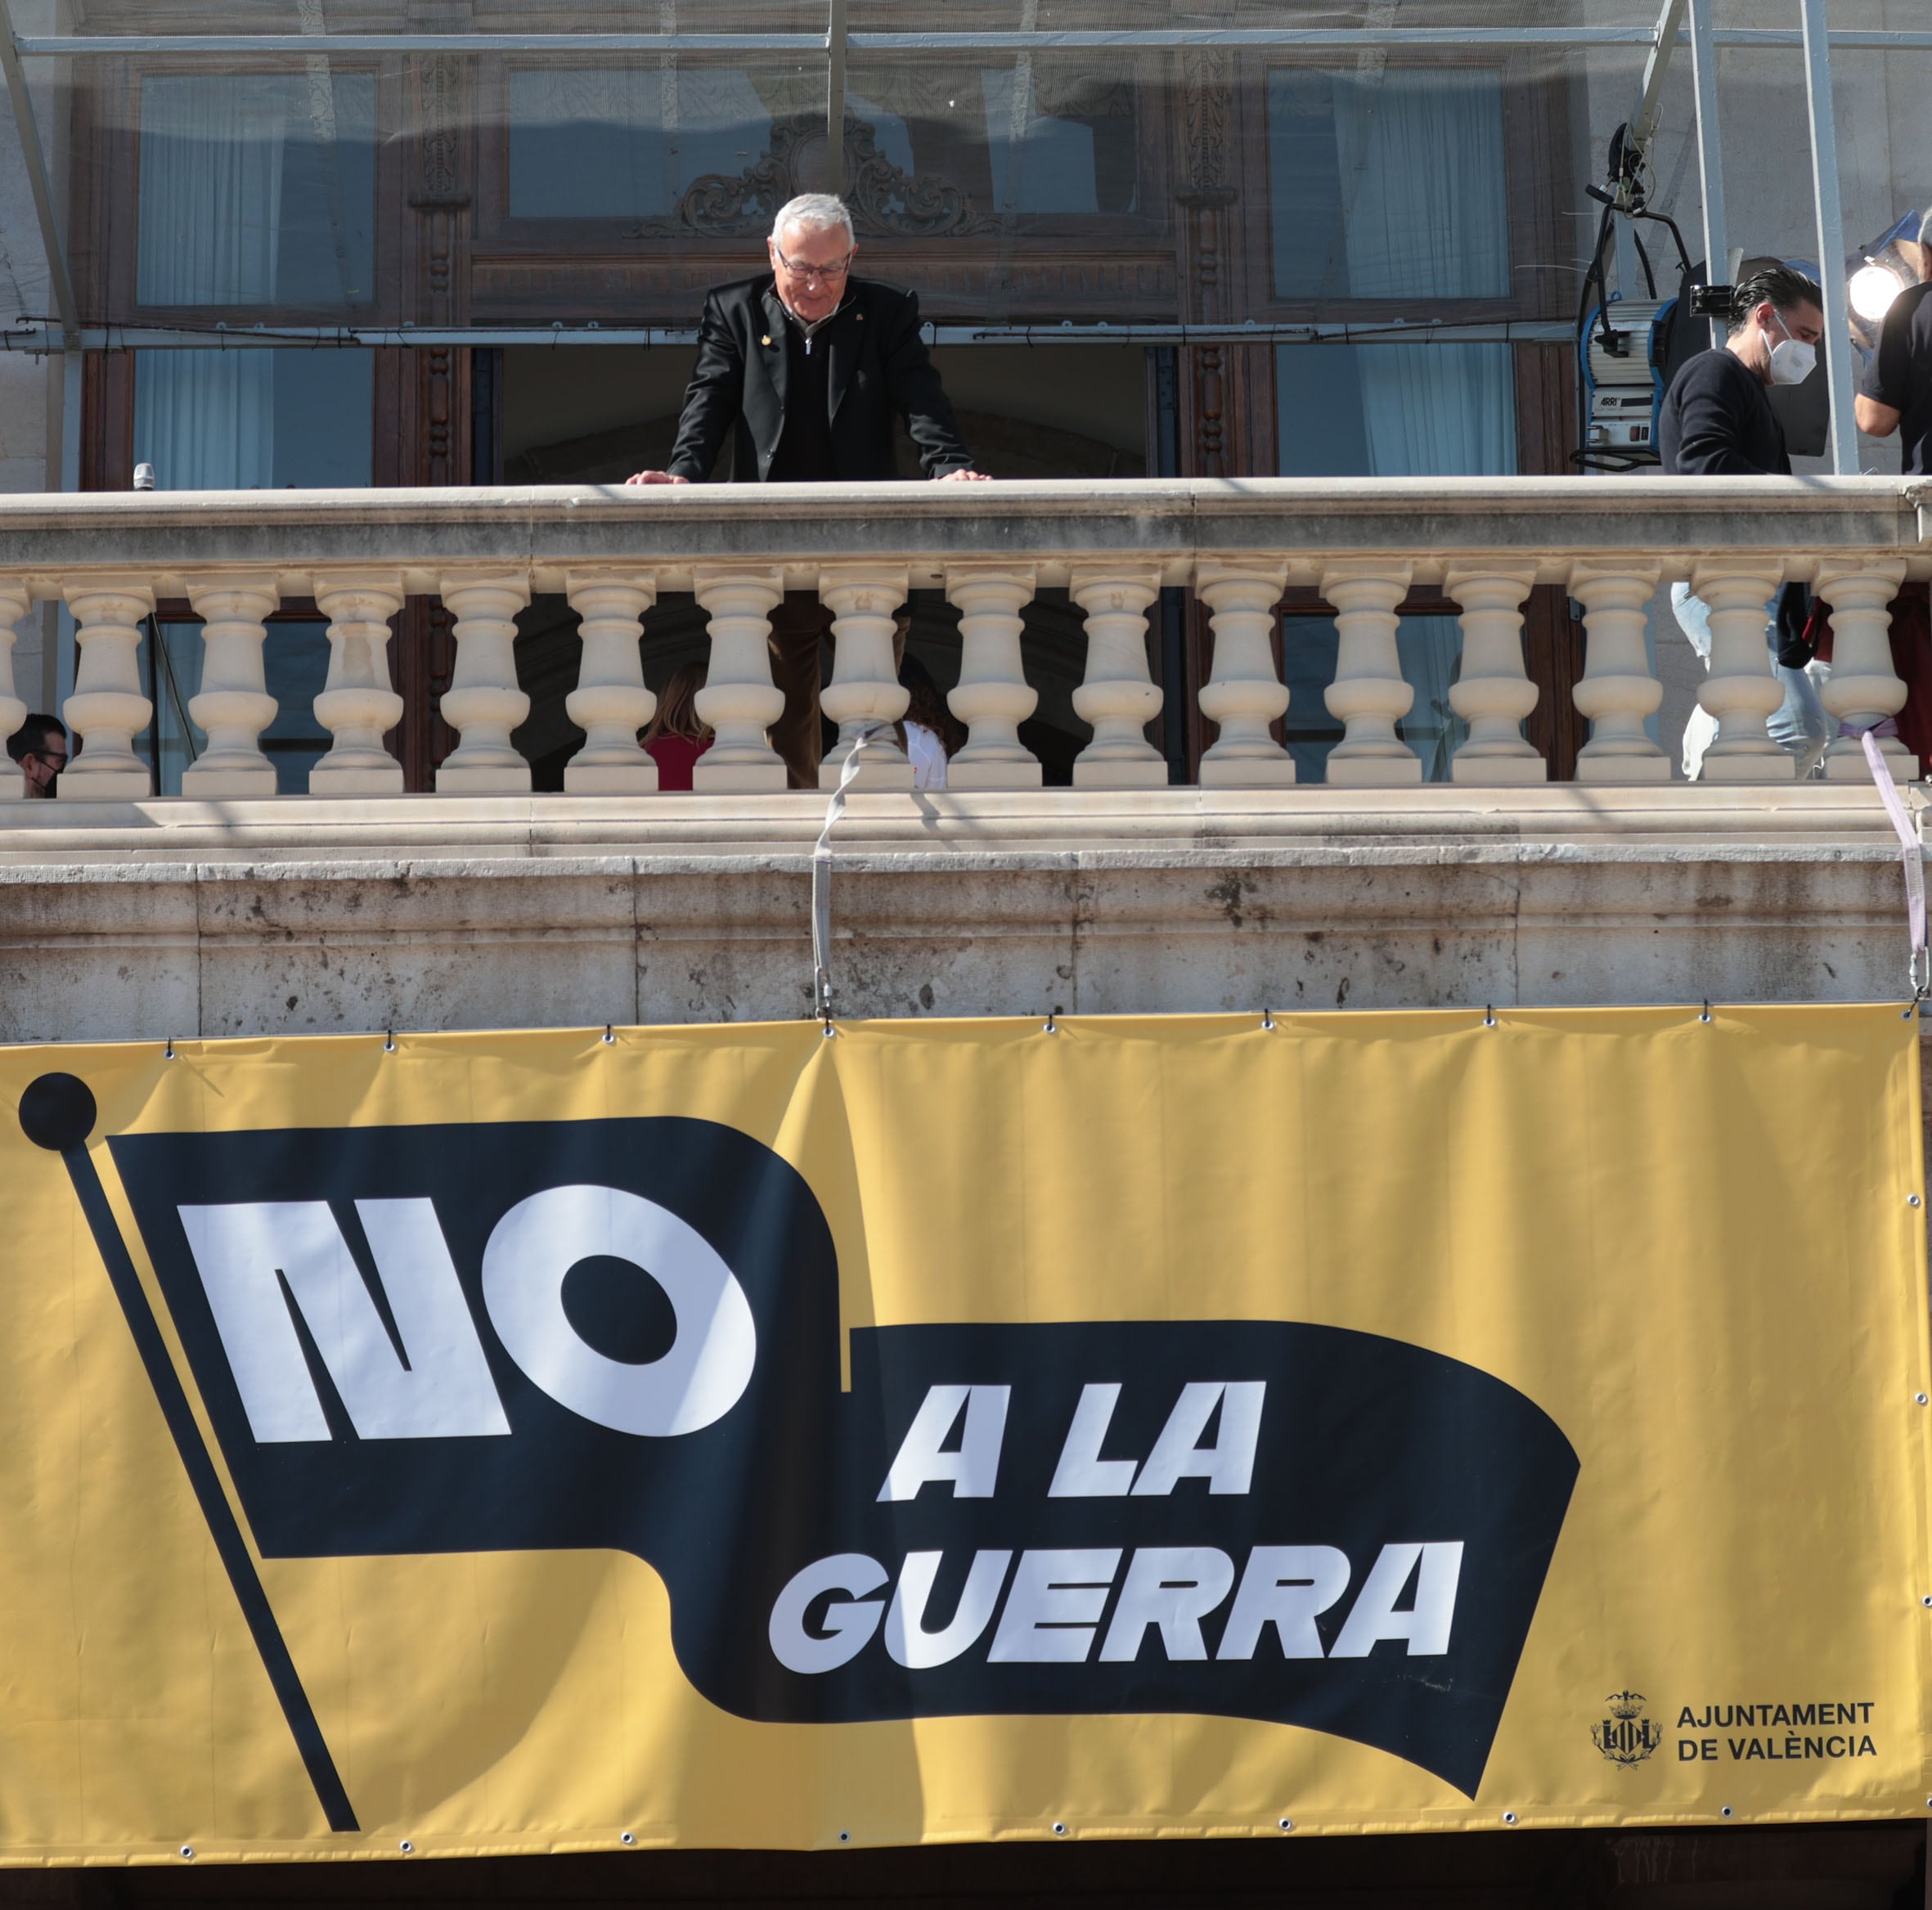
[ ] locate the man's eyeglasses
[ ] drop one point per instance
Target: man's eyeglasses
(828, 274)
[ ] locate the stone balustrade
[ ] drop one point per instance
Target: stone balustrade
(1242, 545)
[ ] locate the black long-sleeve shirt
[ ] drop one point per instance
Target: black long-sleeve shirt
(1718, 422)
(1900, 373)
(806, 454)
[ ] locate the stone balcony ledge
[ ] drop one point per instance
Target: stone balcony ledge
(230, 910)
(1247, 548)
(1050, 524)
(182, 918)
(939, 828)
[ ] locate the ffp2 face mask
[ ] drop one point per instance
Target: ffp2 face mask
(1792, 361)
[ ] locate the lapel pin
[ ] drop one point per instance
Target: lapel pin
(766, 339)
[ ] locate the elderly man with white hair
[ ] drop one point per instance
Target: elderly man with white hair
(807, 367)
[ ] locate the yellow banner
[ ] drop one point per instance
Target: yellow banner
(740, 1436)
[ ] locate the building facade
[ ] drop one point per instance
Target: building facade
(1266, 321)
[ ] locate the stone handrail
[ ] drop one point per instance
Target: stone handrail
(1240, 543)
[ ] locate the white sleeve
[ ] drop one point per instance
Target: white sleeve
(929, 758)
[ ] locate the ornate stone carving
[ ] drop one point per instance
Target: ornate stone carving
(885, 200)
(1206, 86)
(439, 108)
(1205, 236)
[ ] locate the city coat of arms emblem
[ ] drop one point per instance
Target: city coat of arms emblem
(1626, 1736)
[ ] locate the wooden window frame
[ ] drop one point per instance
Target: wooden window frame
(1537, 161)
(106, 253)
(1115, 266)
(107, 248)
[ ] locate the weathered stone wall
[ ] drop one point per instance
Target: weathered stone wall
(219, 920)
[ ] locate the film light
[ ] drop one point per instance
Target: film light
(1872, 288)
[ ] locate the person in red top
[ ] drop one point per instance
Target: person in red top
(674, 738)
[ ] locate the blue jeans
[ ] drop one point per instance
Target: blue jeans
(1800, 725)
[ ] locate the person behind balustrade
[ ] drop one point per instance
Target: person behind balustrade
(676, 735)
(930, 734)
(1895, 394)
(806, 368)
(1715, 422)
(39, 746)
(1896, 389)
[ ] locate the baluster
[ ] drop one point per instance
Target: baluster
(865, 689)
(15, 601)
(1493, 693)
(1741, 691)
(356, 705)
(483, 704)
(610, 703)
(107, 709)
(740, 700)
(1369, 692)
(1617, 691)
(1245, 692)
(993, 697)
(1862, 689)
(1118, 697)
(233, 705)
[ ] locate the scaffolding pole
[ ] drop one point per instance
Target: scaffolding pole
(39, 340)
(34, 159)
(1318, 39)
(1824, 179)
(1710, 154)
(835, 41)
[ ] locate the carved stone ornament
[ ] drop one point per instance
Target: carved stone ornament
(439, 108)
(884, 198)
(1207, 77)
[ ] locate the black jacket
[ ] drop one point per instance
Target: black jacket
(878, 369)
(1716, 422)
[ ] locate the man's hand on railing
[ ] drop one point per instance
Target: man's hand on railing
(943, 478)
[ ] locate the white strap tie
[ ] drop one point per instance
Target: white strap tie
(1919, 967)
(821, 877)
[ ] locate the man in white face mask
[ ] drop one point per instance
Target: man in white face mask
(1716, 421)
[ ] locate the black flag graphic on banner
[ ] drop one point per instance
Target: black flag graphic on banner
(624, 1334)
